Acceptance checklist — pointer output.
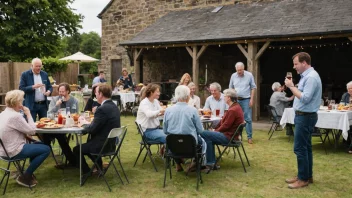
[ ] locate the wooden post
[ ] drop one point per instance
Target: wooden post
(195, 54)
(253, 56)
(137, 70)
(11, 75)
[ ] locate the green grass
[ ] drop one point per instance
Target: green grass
(271, 162)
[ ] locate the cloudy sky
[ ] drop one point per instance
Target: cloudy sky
(90, 10)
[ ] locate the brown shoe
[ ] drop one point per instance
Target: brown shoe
(250, 141)
(294, 179)
(25, 180)
(298, 184)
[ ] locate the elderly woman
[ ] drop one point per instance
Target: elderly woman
(185, 80)
(182, 119)
(13, 132)
(278, 98)
(148, 112)
(125, 79)
(226, 128)
(194, 100)
(346, 97)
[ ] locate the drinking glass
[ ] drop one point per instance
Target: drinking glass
(289, 75)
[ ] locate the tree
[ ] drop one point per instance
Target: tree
(33, 28)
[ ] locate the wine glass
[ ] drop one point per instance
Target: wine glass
(289, 75)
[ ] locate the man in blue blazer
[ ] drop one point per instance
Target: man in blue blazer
(36, 86)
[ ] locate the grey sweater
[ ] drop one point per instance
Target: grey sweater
(72, 103)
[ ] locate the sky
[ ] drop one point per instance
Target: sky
(90, 10)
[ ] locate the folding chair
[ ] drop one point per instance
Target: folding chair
(144, 144)
(16, 163)
(234, 144)
(183, 146)
(120, 134)
(275, 120)
(319, 133)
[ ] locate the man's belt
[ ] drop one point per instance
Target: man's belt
(40, 102)
(240, 98)
(303, 113)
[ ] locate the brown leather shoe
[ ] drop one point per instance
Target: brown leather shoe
(294, 179)
(250, 141)
(298, 184)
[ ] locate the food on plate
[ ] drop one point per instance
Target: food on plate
(207, 113)
(44, 119)
(40, 125)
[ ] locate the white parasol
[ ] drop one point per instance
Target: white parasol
(80, 57)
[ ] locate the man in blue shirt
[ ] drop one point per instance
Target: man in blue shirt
(306, 104)
(183, 119)
(243, 82)
(100, 78)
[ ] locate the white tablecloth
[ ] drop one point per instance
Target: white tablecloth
(340, 120)
(127, 97)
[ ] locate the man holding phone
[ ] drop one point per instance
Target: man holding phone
(36, 86)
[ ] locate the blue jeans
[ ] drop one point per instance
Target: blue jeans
(304, 127)
(40, 109)
(36, 152)
(247, 116)
(211, 138)
(155, 135)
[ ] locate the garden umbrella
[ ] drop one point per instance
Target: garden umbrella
(80, 57)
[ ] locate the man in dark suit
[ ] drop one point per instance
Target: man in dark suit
(36, 86)
(106, 117)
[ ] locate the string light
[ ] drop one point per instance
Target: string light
(310, 46)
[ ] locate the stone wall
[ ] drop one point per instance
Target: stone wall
(126, 18)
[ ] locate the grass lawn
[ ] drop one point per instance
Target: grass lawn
(271, 162)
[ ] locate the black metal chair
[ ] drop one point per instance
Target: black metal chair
(275, 120)
(319, 133)
(118, 134)
(183, 146)
(144, 144)
(234, 144)
(16, 163)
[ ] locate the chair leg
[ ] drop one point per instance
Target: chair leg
(149, 152)
(239, 154)
(103, 175)
(166, 167)
(123, 171)
(140, 151)
(198, 172)
(117, 172)
(245, 154)
(217, 160)
(271, 128)
(323, 143)
(276, 125)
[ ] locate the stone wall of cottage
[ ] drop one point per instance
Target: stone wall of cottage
(126, 18)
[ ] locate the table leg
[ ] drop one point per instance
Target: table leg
(80, 159)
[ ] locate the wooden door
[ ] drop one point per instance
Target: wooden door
(116, 67)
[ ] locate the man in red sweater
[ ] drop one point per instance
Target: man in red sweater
(226, 128)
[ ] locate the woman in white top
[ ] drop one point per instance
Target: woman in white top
(194, 100)
(148, 112)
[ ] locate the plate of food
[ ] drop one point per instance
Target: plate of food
(52, 126)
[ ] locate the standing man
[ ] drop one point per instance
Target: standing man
(106, 117)
(36, 86)
(100, 78)
(306, 104)
(243, 82)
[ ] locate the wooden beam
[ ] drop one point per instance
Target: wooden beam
(137, 69)
(288, 38)
(252, 66)
(244, 52)
(195, 67)
(11, 75)
(350, 38)
(139, 54)
(189, 51)
(262, 50)
(201, 51)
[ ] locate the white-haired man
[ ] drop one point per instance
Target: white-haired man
(216, 100)
(36, 86)
(182, 118)
(243, 82)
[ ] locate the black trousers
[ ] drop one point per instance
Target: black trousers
(66, 149)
